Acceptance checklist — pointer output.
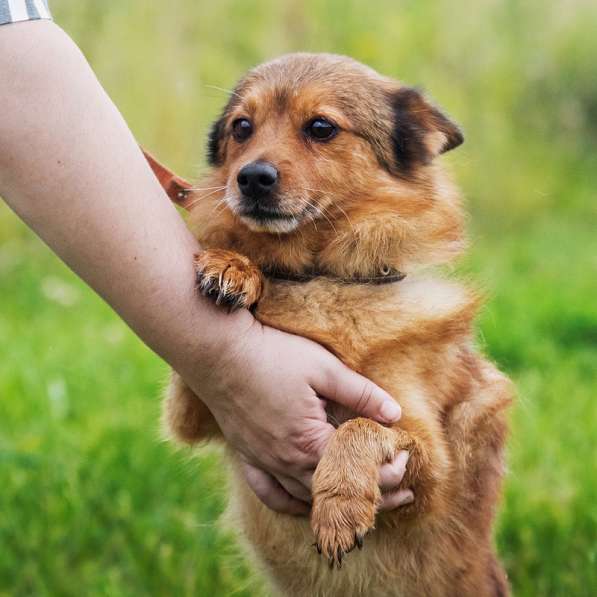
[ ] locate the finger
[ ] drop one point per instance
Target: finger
(272, 494)
(394, 500)
(310, 445)
(391, 474)
(295, 488)
(357, 393)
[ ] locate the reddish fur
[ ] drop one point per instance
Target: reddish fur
(413, 338)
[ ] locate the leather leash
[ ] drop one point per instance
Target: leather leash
(177, 188)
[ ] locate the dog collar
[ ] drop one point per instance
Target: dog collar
(387, 276)
(179, 190)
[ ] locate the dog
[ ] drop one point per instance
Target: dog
(333, 217)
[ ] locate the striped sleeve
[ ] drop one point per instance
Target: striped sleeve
(12, 11)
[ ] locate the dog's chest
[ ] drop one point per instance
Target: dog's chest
(348, 319)
(358, 320)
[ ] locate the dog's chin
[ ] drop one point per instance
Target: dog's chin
(274, 221)
(278, 226)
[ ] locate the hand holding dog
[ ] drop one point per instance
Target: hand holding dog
(265, 394)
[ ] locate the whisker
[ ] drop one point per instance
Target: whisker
(346, 216)
(305, 202)
(219, 207)
(328, 208)
(299, 230)
(329, 220)
(201, 197)
(319, 211)
(204, 188)
(230, 91)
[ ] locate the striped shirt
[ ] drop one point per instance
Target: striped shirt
(12, 11)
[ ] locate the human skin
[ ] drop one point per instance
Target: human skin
(71, 169)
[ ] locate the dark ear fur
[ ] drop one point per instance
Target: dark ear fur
(215, 138)
(214, 142)
(421, 131)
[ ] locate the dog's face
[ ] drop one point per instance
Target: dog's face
(307, 136)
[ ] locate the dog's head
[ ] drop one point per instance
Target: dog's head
(318, 161)
(307, 135)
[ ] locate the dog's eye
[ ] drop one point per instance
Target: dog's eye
(242, 129)
(320, 129)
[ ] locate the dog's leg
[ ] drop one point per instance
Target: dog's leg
(230, 279)
(477, 430)
(185, 416)
(345, 485)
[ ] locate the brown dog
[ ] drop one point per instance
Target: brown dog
(331, 188)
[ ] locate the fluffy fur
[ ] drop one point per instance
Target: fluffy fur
(370, 199)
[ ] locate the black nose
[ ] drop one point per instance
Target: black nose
(257, 179)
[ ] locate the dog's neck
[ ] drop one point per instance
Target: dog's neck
(369, 249)
(398, 228)
(380, 242)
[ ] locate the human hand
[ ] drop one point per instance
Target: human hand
(265, 394)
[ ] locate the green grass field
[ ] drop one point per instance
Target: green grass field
(92, 502)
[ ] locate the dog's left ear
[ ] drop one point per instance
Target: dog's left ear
(420, 132)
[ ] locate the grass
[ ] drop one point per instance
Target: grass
(92, 502)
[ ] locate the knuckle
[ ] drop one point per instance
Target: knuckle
(288, 460)
(310, 446)
(365, 397)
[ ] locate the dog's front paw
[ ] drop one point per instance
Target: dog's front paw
(230, 279)
(340, 522)
(345, 489)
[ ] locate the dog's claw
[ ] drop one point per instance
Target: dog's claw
(227, 278)
(210, 287)
(334, 557)
(335, 551)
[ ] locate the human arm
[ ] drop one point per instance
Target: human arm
(71, 169)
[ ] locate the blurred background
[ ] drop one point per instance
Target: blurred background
(92, 502)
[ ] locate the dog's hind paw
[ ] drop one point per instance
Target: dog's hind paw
(228, 278)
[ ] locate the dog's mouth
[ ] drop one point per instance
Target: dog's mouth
(261, 219)
(267, 218)
(260, 213)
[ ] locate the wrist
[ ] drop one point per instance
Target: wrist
(217, 345)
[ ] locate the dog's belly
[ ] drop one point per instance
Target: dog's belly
(362, 325)
(408, 560)
(281, 547)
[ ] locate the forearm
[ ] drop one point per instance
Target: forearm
(71, 169)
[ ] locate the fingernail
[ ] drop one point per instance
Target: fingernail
(407, 497)
(390, 411)
(401, 460)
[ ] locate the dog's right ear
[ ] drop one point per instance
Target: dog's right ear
(215, 142)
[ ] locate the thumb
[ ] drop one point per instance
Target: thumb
(342, 385)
